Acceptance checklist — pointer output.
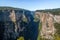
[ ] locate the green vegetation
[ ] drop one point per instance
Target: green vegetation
(57, 26)
(57, 34)
(39, 29)
(9, 8)
(24, 18)
(4, 8)
(21, 38)
(36, 19)
(52, 11)
(56, 37)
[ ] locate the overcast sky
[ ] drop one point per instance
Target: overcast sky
(31, 4)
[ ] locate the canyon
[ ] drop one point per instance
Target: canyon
(16, 22)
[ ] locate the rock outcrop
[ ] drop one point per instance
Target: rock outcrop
(47, 19)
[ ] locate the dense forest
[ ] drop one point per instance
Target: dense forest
(2, 8)
(53, 11)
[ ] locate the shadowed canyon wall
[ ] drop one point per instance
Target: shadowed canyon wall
(16, 23)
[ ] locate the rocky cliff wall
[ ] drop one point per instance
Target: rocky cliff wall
(47, 21)
(17, 23)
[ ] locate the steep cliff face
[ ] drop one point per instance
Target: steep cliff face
(12, 24)
(9, 18)
(15, 23)
(47, 21)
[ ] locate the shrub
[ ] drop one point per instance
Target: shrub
(21, 38)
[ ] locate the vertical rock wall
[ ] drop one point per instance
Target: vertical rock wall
(47, 31)
(18, 23)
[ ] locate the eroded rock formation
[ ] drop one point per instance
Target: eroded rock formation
(47, 19)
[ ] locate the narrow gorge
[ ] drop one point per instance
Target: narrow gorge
(16, 23)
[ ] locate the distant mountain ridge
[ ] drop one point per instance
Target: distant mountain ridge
(9, 8)
(55, 11)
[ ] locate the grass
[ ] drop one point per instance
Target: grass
(39, 28)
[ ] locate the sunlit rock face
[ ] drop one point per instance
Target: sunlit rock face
(47, 20)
